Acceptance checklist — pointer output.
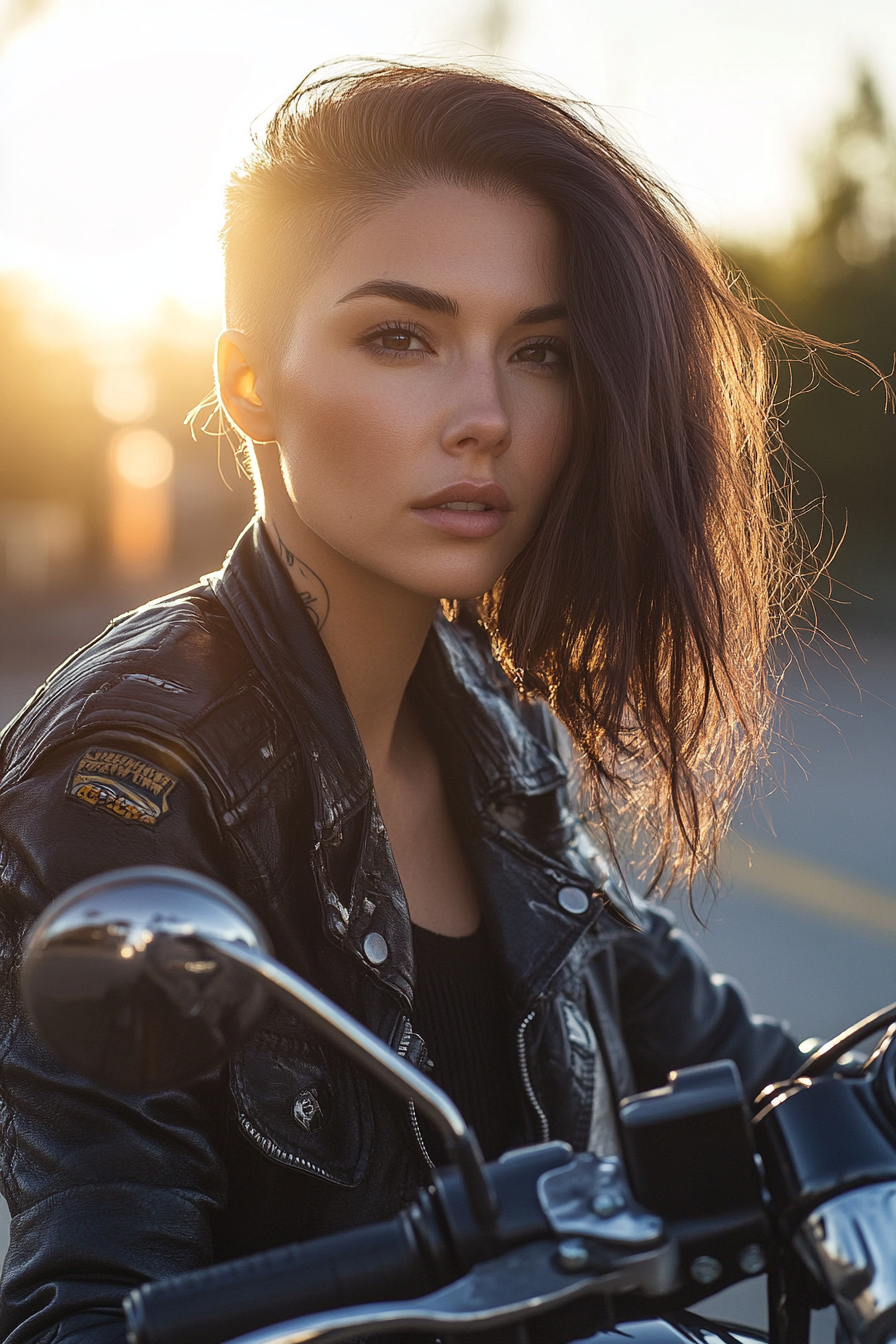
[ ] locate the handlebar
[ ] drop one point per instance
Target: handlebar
(429, 1244)
(570, 1228)
(237, 1296)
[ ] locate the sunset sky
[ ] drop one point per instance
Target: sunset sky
(119, 119)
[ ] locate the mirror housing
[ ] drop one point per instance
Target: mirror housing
(120, 982)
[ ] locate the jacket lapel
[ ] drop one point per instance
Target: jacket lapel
(358, 884)
(537, 904)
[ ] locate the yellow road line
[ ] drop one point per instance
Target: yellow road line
(795, 882)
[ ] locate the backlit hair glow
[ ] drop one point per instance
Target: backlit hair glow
(643, 608)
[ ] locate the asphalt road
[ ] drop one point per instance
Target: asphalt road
(807, 919)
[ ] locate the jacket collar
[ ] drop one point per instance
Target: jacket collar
(286, 648)
(460, 676)
(356, 875)
(457, 670)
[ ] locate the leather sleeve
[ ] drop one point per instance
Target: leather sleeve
(106, 1189)
(675, 1012)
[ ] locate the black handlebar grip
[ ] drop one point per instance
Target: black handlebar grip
(209, 1306)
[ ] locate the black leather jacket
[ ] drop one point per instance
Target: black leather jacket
(208, 731)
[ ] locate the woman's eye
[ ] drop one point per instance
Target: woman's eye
(542, 353)
(394, 341)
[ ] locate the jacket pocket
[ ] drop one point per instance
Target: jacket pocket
(302, 1103)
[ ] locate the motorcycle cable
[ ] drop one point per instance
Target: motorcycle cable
(830, 1052)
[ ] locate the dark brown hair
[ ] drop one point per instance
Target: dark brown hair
(643, 608)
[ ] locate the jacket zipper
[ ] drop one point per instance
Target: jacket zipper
(529, 1090)
(271, 1149)
(406, 1032)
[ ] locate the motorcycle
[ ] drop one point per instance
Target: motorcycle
(149, 977)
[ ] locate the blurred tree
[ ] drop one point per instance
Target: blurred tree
(855, 179)
(837, 278)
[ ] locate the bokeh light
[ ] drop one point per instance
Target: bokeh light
(124, 394)
(140, 504)
(143, 457)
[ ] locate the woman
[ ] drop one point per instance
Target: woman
(477, 358)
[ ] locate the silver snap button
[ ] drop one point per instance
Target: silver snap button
(706, 1269)
(573, 1255)
(574, 900)
(376, 949)
(752, 1259)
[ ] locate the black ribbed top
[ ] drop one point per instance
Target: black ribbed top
(460, 1011)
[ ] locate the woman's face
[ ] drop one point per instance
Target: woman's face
(421, 404)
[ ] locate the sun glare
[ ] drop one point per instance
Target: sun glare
(119, 121)
(113, 197)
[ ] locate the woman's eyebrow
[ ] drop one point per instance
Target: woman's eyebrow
(415, 295)
(548, 312)
(432, 302)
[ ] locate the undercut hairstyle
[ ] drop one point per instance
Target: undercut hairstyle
(645, 605)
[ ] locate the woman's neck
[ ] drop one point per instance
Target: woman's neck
(373, 630)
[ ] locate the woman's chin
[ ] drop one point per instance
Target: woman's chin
(460, 590)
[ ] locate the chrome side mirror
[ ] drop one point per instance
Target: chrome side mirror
(120, 978)
(146, 977)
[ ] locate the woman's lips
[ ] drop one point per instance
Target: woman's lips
(484, 523)
(466, 509)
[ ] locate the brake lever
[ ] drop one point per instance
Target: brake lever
(489, 1295)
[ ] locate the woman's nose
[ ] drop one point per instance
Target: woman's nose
(477, 420)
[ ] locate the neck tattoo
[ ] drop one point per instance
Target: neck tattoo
(310, 586)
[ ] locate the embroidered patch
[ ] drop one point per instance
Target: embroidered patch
(127, 786)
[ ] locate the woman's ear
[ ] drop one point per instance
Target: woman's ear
(242, 381)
